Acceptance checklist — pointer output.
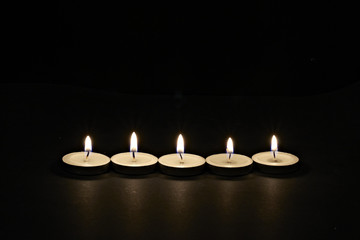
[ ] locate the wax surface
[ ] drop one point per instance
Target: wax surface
(282, 159)
(189, 160)
(141, 159)
(236, 160)
(78, 159)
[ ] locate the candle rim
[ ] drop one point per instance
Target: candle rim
(233, 164)
(200, 158)
(115, 159)
(104, 159)
(278, 162)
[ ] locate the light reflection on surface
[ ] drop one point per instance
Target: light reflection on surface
(226, 196)
(82, 199)
(138, 205)
(231, 199)
(134, 201)
(180, 202)
(272, 196)
(92, 208)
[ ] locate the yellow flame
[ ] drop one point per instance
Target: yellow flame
(133, 143)
(229, 146)
(274, 144)
(180, 144)
(88, 146)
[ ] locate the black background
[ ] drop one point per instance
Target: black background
(247, 71)
(252, 48)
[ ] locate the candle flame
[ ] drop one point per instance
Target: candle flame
(274, 144)
(133, 143)
(88, 146)
(180, 144)
(230, 146)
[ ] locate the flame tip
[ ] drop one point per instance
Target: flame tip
(180, 144)
(274, 144)
(88, 145)
(230, 146)
(133, 142)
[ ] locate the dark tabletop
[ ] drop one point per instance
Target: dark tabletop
(41, 123)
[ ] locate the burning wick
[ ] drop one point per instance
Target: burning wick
(88, 148)
(229, 149)
(181, 159)
(133, 155)
(133, 145)
(180, 147)
(274, 146)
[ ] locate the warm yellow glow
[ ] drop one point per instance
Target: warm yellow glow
(230, 146)
(88, 146)
(180, 144)
(274, 144)
(133, 143)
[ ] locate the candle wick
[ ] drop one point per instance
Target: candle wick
(87, 155)
(181, 157)
(274, 154)
(133, 155)
(229, 157)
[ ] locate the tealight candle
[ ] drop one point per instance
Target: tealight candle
(134, 162)
(229, 164)
(275, 161)
(87, 162)
(180, 163)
